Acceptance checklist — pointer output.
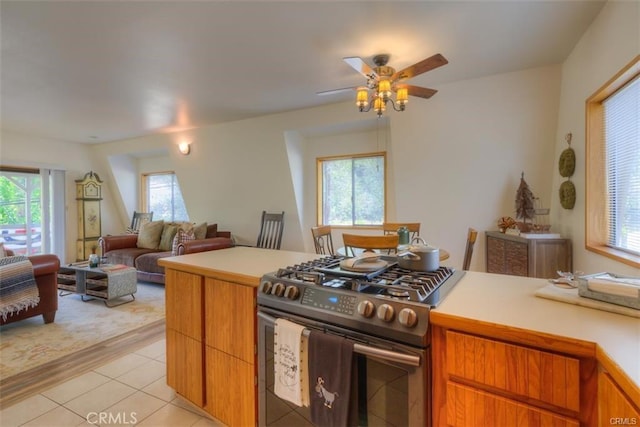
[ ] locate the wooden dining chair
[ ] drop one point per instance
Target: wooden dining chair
(472, 235)
(271, 229)
(387, 243)
(392, 228)
(322, 239)
(138, 219)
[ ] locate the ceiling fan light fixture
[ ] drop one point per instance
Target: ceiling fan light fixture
(384, 89)
(362, 98)
(379, 106)
(402, 97)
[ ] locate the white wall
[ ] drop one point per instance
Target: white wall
(609, 44)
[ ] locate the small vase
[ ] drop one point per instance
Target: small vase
(94, 259)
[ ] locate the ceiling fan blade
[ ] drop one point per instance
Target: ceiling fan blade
(360, 66)
(421, 92)
(334, 91)
(418, 68)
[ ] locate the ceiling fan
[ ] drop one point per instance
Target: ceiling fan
(382, 80)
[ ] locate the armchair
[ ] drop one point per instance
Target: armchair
(45, 270)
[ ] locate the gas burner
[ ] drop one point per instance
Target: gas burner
(391, 282)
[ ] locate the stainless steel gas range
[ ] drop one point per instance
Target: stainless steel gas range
(385, 312)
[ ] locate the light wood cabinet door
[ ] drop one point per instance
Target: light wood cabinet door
(614, 407)
(470, 407)
(231, 389)
(183, 296)
(230, 315)
(528, 373)
(185, 366)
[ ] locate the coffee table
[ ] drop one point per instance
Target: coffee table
(107, 282)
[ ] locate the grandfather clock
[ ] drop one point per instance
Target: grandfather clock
(88, 195)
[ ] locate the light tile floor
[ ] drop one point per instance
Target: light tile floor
(131, 390)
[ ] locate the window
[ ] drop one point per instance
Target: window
(613, 168)
(351, 190)
(163, 197)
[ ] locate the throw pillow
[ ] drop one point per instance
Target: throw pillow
(150, 234)
(166, 239)
(181, 236)
(130, 230)
(200, 231)
(3, 253)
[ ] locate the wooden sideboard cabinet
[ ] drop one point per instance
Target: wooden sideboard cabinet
(520, 256)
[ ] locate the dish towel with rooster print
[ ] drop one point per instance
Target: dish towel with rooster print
(289, 362)
(330, 360)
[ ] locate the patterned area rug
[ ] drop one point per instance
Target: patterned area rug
(78, 325)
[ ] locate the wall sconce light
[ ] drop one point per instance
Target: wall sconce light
(184, 147)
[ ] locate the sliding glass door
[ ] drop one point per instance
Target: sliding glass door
(21, 211)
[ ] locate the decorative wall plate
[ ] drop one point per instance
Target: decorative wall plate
(567, 163)
(567, 195)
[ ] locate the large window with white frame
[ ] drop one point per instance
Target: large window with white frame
(163, 197)
(613, 167)
(352, 190)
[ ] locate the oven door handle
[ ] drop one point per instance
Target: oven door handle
(391, 356)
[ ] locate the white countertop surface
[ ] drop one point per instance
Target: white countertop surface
(245, 263)
(510, 301)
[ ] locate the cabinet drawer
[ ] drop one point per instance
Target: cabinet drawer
(467, 406)
(521, 371)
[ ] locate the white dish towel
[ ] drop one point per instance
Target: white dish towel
(290, 362)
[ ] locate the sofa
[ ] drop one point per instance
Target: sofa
(124, 249)
(45, 270)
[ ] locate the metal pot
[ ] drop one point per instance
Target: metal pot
(419, 256)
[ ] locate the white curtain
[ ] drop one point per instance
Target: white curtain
(53, 212)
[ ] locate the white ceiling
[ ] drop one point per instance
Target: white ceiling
(96, 71)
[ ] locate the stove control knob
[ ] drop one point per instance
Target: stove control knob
(407, 317)
(291, 292)
(266, 287)
(385, 313)
(278, 289)
(366, 308)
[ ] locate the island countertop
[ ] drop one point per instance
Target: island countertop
(502, 301)
(484, 298)
(240, 264)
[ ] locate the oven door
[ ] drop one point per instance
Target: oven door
(392, 379)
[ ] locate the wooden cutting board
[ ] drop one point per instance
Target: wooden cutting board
(571, 296)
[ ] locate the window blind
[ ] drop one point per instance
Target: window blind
(622, 136)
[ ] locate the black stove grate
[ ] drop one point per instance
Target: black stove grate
(394, 282)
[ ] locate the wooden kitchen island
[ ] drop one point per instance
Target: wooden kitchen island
(589, 360)
(504, 357)
(211, 327)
